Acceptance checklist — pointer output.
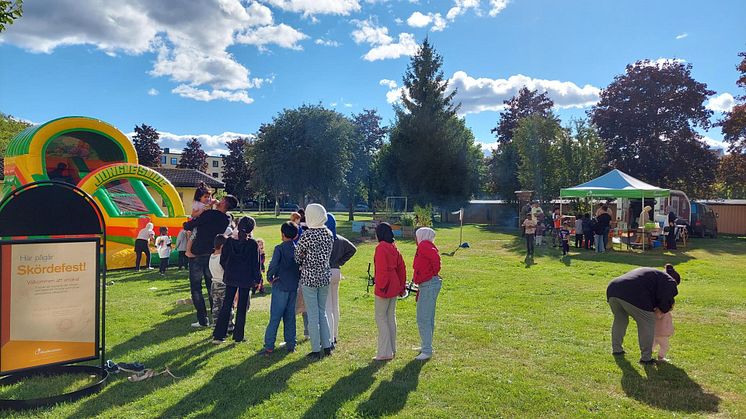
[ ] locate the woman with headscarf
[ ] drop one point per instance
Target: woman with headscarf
(390, 283)
(312, 254)
(638, 293)
(426, 275)
(342, 251)
(142, 245)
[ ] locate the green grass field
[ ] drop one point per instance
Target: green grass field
(511, 340)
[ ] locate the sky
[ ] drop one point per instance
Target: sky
(218, 69)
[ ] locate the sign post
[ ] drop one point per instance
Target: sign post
(52, 293)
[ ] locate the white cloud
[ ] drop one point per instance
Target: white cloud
(460, 7)
(484, 94)
(202, 95)
(388, 83)
(682, 35)
(368, 32)
(497, 6)
(721, 103)
(327, 42)
(419, 20)
(405, 47)
(282, 35)
(153, 92)
(213, 145)
(660, 61)
(188, 51)
(318, 7)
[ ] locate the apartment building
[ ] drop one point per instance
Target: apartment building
(169, 160)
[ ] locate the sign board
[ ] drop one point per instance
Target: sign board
(50, 303)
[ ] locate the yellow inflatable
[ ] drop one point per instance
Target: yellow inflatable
(102, 161)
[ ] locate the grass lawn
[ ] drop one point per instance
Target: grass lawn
(511, 340)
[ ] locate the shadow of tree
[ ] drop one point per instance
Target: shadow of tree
(345, 389)
(666, 387)
(390, 397)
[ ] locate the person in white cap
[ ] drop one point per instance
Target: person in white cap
(142, 245)
(312, 254)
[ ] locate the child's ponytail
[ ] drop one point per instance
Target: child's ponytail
(245, 227)
(201, 191)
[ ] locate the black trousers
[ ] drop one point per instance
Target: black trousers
(578, 240)
(164, 265)
(183, 259)
(244, 301)
(141, 246)
(530, 240)
(588, 239)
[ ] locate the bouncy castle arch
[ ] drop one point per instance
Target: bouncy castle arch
(102, 161)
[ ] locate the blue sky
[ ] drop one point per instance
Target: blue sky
(219, 68)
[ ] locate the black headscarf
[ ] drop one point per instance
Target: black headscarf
(384, 233)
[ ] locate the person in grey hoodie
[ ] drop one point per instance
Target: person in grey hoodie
(342, 251)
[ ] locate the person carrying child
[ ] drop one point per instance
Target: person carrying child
(390, 283)
(564, 236)
(529, 232)
(284, 275)
(240, 262)
(163, 245)
(202, 202)
(217, 288)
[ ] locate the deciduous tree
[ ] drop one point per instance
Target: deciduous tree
(236, 168)
(9, 128)
(146, 145)
(647, 118)
(734, 122)
(193, 156)
(9, 12)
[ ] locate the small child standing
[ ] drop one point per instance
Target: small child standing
(529, 231)
(578, 231)
(284, 275)
(163, 245)
(564, 236)
(540, 229)
(663, 331)
(217, 289)
(262, 259)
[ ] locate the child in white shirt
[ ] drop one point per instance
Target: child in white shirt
(163, 244)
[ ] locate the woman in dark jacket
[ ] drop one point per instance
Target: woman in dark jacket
(638, 293)
(240, 260)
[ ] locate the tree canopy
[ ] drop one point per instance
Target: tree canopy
(647, 119)
(431, 149)
(236, 168)
(147, 146)
(9, 128)
(9, 12)
(193, 157)
(734, 122)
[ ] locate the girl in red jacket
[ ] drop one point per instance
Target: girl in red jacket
(390, 279)
(426, 271)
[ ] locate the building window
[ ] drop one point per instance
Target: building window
(215, 163)
(163, 159)
(215, 175)
(174, 161)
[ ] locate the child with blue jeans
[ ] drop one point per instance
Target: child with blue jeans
(283, 274)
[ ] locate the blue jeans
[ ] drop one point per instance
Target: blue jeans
(599, 243)
(199, 267)
(282, 307)
(426, 299)
(318, 325)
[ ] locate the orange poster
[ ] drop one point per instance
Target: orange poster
(48, 304)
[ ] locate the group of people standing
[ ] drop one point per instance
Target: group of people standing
(591, 232)
(304, 272)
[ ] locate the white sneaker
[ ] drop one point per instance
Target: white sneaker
(423, 356)
(196, 324)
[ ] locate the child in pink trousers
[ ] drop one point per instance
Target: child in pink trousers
(663, 331)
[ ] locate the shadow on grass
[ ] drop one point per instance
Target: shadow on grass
(254, 389)
(344, 390)
(161, 332)
(390, 397)
(666, 387)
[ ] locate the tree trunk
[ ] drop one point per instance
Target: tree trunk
(351, 216)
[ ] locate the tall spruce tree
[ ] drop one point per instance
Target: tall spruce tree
(193, 157)
(146, 145)
(236, 168)
(505, 161)
(433, 151)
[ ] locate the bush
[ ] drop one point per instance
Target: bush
(407, 220)
(423, 216)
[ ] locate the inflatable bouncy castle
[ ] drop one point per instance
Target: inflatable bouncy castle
(101, 161)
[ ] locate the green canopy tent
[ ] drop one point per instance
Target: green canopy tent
(614, 184)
